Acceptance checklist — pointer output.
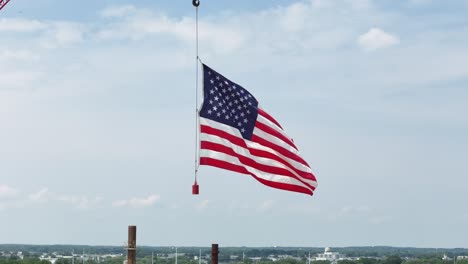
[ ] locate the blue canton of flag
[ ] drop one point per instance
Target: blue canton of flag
(228, 103)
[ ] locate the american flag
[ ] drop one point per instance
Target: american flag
(236, 134)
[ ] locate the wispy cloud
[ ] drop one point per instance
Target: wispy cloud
(45, 197)
(419, 2)
(21, 55)
(203, 204)
(21, 25)
(7, 191)
(355, 209)
(40, 196)
(19, 79)
(80, 202)
(348, 211)
(49, 34)
(266, 206)
(60, 34)
(137, 202)
(138, 23)
(118, 11)
(376, 38)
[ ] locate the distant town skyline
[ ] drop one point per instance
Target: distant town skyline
(97, 121)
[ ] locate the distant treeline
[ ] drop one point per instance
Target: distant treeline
(188, 260)
(226, 252)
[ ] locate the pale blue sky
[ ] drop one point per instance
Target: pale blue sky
(96, 121)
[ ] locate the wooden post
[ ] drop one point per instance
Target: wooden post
(214, 253)
(131, 249)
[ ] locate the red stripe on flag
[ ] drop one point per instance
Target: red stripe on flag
(223, 165)
(260, 153)
(269, 117)
(275, 133)
(217, 132)
(266, 154)
(228, 166)
(250, 162)
(279, 149)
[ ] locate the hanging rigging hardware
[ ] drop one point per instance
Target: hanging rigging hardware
(195, 186)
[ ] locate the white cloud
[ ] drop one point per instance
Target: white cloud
(349, 211)
(118, 11)
(50, 34)
(354, 209)
(14, 79)
(294, 17)
(419, 2)
(266, 205)
(293, 28)
(7, 191)
(354, 4)
(80, 202)
(360, 4)
(119, 203)
(21, 55)
(141, 23)
(137, 202)
(321, 3)
(44, 195)
(40, 196)
(376, 38)
(203, 204)
(61, 34)
(21, 25)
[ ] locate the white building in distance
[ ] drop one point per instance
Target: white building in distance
(331, 256)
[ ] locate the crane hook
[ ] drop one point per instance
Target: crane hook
(195, 3)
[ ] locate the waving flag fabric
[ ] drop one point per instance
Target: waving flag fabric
(237, 135)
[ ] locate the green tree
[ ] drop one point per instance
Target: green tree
(346, 261)
(322, 262)
(287, 261)
(367, 261)
(63, 261)
(91, 261)
(392, 260)
(247, 261)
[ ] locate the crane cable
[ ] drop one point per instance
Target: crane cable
(196, 3)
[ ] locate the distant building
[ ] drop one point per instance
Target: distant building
(331, 256)
(48, 258)
(288, 257)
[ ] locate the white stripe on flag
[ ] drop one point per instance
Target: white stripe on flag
(260, 174)
(253, 145)
(246, 153)
(272, 125)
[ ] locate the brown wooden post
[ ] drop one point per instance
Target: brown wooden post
(214, 253)
(131, 249)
